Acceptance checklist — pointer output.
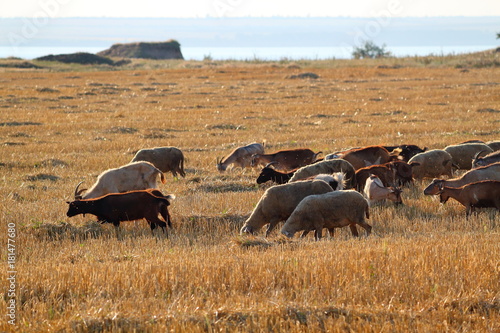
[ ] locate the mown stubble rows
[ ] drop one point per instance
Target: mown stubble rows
(425, 267)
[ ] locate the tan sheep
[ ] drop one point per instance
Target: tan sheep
(328, 167)
(463, 154)
(278, 203)
(330, 210)
(164, 158)
(433, 163)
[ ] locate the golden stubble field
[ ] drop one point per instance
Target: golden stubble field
(425, 268)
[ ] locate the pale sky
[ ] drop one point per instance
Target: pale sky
(241, 8)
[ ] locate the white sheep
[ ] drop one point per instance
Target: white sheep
(376, 192)
(278, 202)
(463, 154)
(335, 180)
(433, 163)
(327, 167)
(330, 210)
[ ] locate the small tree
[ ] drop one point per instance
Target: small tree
(370, 50)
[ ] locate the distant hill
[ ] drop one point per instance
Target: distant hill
(83, 58)
(158, 50)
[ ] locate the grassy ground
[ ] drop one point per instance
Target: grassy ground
(425, 268)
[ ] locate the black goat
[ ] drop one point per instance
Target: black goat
(128, 206)
(278, 177)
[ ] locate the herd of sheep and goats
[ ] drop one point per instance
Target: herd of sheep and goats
(311, 193)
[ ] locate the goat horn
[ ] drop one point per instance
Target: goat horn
(270, 163)
(479, 153)
(78, 192)
(378, 185)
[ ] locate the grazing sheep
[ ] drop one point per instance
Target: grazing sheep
(327, 167)
(336, 181)
(433, 163)
(376, 192)
(485, 160)
(330, 210)
(463, 154)
(278, 202)
(164, 158)
(489, 172)
(483, 194)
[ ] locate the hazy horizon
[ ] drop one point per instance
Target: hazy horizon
(254, 8)
(318, 31)
(251, 32)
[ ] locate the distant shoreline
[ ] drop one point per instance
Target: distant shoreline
(256, 53)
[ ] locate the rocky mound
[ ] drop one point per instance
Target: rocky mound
(78, 58)
(159, 50)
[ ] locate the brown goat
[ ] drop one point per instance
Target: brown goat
(134, 205)
(366, 156)
(483, 194)
(384, 172)
(489, 172)
(286, 160)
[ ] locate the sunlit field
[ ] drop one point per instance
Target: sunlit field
(425, 268)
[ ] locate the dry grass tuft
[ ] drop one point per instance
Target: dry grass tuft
(64, 230)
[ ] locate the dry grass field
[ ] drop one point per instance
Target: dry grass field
(425, 268)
